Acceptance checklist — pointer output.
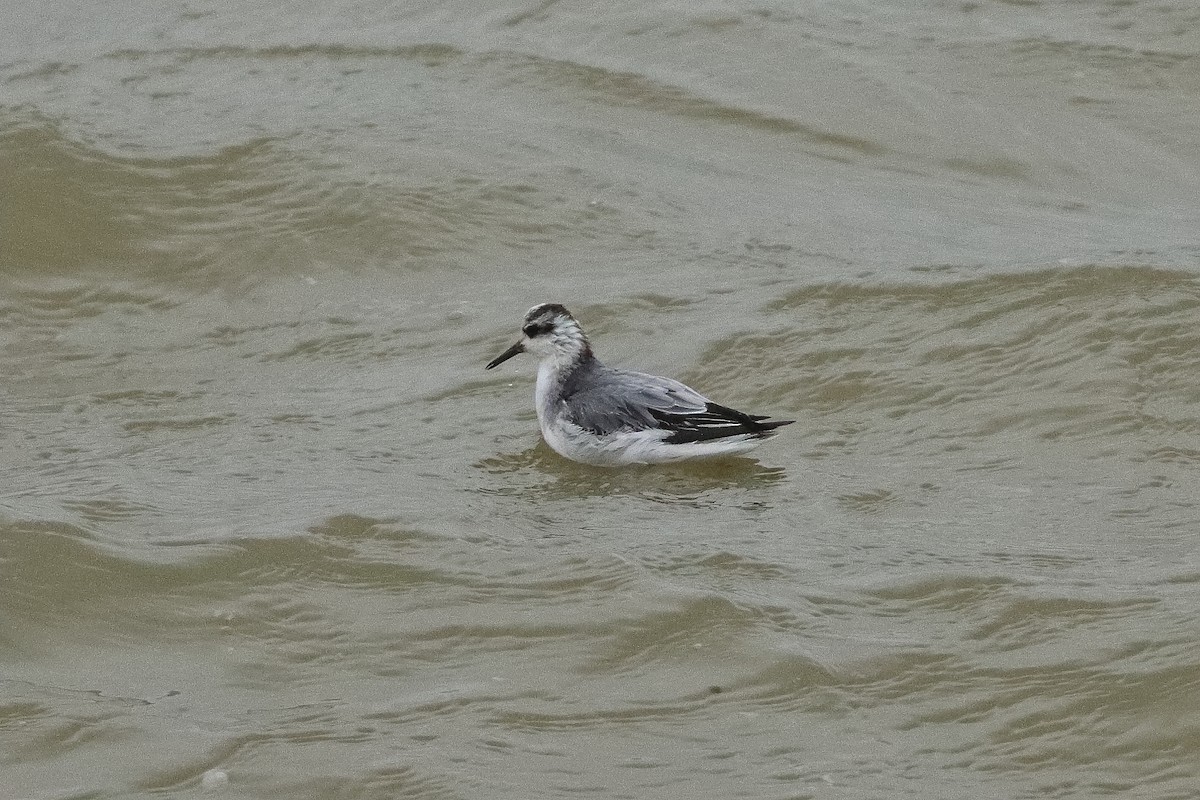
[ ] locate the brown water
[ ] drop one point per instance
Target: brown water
(268, 530)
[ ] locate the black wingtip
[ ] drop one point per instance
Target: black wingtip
(717, 422)
(754, 423)
(689, 435)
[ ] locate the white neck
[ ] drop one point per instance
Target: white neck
(551, 371)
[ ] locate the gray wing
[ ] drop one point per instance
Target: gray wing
(604, 400)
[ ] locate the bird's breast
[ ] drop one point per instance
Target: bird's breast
(545, 392)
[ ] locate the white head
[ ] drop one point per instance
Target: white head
(549, 332)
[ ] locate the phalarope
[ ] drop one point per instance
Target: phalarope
(611, 417)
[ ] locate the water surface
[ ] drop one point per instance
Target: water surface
(268, 528)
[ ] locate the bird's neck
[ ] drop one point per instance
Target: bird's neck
(554, 375)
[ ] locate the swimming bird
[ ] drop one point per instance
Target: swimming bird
(599, 415)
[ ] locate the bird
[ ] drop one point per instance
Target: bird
(599, 415)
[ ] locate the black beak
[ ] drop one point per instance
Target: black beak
(515, 350)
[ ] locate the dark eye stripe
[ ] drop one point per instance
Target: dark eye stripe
(537, 330)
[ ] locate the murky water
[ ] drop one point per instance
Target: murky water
(269, 530)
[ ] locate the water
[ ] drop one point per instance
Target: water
(268, 529)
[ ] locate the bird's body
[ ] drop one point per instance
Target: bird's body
(598, 415)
